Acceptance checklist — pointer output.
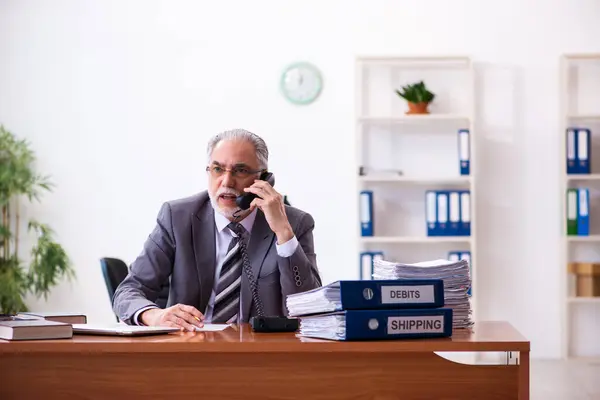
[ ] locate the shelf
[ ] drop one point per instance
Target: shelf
(466, 180)
(583, 177)
(591, 238)
(417, 61)
(582, 56)
(577, 110)
(415, 239)
(589, 300)
(403, 119)
(587, 117)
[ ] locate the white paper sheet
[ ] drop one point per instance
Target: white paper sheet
(212, 327)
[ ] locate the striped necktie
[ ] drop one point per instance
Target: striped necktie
(227, 298)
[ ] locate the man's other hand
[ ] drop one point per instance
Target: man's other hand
(180, 316)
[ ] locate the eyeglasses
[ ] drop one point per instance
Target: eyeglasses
(236, 172)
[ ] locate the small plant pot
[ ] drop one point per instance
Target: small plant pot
(417, 108)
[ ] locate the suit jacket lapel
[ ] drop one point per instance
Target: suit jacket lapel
(203, 238)
(260, 241)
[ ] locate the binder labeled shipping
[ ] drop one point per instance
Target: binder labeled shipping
(378, 324)
(375, 294)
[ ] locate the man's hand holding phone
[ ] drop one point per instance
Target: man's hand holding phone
(270, 202)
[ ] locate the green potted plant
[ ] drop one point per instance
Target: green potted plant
(48, 261)
(418, 97)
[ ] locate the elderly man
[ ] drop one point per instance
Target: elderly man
(225, 264)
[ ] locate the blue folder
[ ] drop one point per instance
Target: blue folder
(392, 293)
(379, 324)
(365, 294)
(366, 213)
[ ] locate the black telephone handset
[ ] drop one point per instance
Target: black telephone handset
(262, 323)
(244, 200)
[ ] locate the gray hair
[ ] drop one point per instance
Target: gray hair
(262, 152)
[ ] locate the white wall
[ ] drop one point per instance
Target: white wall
(120, 97)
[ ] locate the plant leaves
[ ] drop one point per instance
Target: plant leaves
(416, 93)
(49, 261)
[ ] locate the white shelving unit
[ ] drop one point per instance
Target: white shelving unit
(423, 147)
(580, 107)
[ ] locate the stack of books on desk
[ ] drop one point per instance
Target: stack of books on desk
(456, 277)
(371, 310)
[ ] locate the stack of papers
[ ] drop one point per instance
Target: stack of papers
(320, 300)
(456, 277)
(332, 327)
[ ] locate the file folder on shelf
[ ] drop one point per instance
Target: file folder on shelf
(571, 151)
(366, 265)
(464, 153)
(431, 213)
(583, 151)
(442, 213)
(448, 213)
(378, 324)
(367, 259)
(465, 213)
(366, 213)
(578, 147)
(583, 212)
(572, 207)
(454, 226)
(376, 294)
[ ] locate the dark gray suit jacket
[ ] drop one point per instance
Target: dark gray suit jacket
(182, 248)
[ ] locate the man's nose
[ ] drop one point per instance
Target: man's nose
(227, 180)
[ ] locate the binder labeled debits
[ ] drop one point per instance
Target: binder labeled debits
(379, 294)
(378, 324)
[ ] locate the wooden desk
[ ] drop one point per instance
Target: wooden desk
(237, 363)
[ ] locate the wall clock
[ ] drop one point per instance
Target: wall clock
(301, 83)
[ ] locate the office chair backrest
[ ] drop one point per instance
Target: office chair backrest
(114, 271)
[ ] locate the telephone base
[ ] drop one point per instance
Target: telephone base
(274, 324)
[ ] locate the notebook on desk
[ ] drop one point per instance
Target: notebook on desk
(121, 330)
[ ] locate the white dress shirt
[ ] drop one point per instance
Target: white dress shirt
(223, 237)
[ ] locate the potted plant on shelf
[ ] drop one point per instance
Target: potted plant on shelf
(47, 260)
(418, 97)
